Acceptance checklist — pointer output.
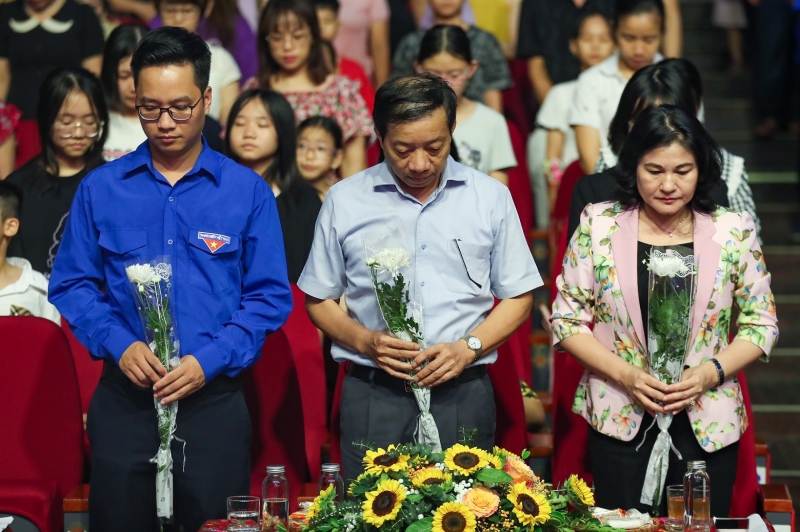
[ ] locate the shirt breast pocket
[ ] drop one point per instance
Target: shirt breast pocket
(122, 242)
(214, 261)
(469, 267)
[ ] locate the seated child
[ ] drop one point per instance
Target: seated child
(23, 292)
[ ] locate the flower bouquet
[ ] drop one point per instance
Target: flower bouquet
(151, 286)
(668, 329)
(411, 488)
(386, 257)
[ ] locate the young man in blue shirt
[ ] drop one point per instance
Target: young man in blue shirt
(218, 224)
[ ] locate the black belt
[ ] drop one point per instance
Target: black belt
(221, 384)
(379, 377)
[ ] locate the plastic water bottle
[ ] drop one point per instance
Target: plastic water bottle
(275, 497)
(696, 497)
(331, 476)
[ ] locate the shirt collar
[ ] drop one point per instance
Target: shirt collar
(208, 162)
(385, 177)
(610, 67)
(25, 280)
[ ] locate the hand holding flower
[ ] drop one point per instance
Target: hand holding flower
(693, 384)
(445, 361)
(181, 382)
(389, 353)
(644, 389)
(141, 366)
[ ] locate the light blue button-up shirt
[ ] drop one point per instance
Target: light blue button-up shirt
(467, 206)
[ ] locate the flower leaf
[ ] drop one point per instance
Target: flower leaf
(423, 525)
(494, 476)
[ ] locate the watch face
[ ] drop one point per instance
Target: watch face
(474, 343)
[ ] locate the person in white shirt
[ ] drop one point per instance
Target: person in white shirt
(639, 28)
(481, 136)
(23, 291)
(551, 146)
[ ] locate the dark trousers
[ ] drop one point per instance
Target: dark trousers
(775, 51)
(122, 429)
(619, 470)
(381, 415)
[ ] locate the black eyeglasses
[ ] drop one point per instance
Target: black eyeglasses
(458, 247)
(179, 113)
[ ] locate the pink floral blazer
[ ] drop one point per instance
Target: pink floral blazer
(599, 285)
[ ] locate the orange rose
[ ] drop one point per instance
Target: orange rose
(481, 501)
(519, 470)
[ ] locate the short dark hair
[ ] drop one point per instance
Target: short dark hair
(333, 5)
(452, 40)
(120, 44)
(411, 98)
(173, 46)
(585, 15)
(55, 89)
(199, 3)
(10, 200)
(326, 123)
(283, 170)
(661, 126)
(305, 12)
(629, 8)
(672, 81)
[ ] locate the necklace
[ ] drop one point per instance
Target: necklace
(679, 224)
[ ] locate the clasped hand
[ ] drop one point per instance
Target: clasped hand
(433, 366)
(657, 397)
(145, 370)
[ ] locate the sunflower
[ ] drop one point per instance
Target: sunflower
(579, 491)
(380, 461)
(531, 508)
(383, 504)
(494, 461)
(453, 517)
(465, 460)
(430, 476)
(359, 479)
(323, 498)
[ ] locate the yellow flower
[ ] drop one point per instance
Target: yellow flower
(377, 462)
(453, 517)
(430, 476)
(531, 508)
(580, 491)
(465, 460)
(318, 501)
(482, 501)
(383, 504)
(494, 461)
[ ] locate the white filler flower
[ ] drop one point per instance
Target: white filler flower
(390, 260)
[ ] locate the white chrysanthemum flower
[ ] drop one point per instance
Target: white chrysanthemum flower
(141, 274)
(671, 264)
(390, 260)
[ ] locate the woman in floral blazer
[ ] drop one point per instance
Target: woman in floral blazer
(666, 169)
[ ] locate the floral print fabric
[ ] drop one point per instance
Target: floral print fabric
(597, 287)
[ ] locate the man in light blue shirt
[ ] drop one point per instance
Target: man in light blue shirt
(466, 245)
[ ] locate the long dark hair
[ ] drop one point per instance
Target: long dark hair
(661, 126)
(120, 44)
(222, 19)
(283, 170)
(445, 38)
(672, 81)
(306, 14)
(55, 88)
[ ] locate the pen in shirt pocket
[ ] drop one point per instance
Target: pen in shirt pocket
(460, 254)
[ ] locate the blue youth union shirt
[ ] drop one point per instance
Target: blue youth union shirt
(219, 227)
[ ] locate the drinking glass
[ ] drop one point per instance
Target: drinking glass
(674, 521)
(243, 513)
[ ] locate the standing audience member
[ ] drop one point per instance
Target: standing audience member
(9, 118)
(481, 135)
(261, 136)
(225, 75)
(72, 118)
(37, 36)
(319, 153)
(730, 16)
(365, 36)
(23, 291)
(492, 74)
(328, 17)
(224, 25)
(551, 146)
(638, 29)
(293, 63)
(125, 131)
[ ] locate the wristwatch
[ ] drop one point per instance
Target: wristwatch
(474, 343)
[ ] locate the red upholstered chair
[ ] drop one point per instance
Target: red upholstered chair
(42, 452)
(88, 371)
(285, 393)
(28, 144)
(519, 103)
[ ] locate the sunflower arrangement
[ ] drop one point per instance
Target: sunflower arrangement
(411, 488)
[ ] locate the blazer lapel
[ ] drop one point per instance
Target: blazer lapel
(706, 252)
(624, 246)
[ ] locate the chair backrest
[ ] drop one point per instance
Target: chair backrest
(511, 432)
(87, 369)
(519, 184)
(41, 416)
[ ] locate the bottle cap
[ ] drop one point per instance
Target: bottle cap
(276, 469)
(696, 464)
(330, 468)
